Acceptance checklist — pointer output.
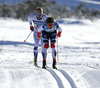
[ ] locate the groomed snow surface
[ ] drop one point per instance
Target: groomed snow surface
(79, 56)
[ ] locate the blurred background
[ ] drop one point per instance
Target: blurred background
(21, 9)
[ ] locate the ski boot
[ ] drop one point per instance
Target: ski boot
(54, 64)
(44, 65)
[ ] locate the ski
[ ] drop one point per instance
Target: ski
(37, 66)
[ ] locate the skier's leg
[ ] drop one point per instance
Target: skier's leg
(36, 41)
(54, 56)
(45, 47)
(53, 41)
(53, 52)
(45, 55)
(42, 46)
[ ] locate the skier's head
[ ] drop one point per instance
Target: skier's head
(39, 12)
(50, 22)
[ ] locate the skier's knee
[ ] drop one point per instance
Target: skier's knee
(46, 45)
(53, 45)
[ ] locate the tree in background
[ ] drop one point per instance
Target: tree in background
(6, 10)
(51, 8)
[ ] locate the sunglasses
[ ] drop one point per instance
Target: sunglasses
(38, 13)
(50, 25)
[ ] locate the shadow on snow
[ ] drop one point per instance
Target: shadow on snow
(15, 43)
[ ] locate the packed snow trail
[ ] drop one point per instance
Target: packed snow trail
(78, 53)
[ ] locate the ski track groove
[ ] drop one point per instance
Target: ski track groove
(68, 78)
(58, 79)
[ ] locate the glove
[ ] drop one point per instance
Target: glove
(31, 28)
(59, 34)
(38, 35)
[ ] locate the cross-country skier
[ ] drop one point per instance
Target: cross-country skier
(49, 32)
(35, 20)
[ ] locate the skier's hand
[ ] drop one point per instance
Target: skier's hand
(31, 28)
(59, 34)
(38, 34)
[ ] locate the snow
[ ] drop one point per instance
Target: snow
(78, 54)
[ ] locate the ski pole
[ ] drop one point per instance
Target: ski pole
(35, 37)
(57, 49)
(28, 36)
(37, 48)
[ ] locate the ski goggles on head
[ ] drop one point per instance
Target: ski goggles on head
(50, 25)
(38, 13)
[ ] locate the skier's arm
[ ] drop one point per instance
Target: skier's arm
(30, 23)
(59, 31)
(39, 30)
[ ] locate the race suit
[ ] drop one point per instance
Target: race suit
(36, 23)
(49, 34)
